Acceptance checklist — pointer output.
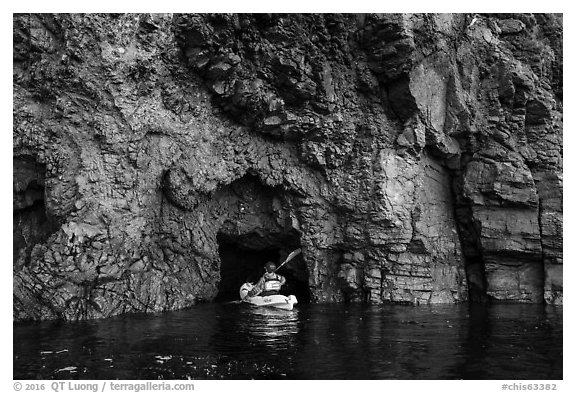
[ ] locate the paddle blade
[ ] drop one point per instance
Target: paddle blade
(293, 254)
(290, 257)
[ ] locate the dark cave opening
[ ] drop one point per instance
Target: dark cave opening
(241, 263)
(31, 223)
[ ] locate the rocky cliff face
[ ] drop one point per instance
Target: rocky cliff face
(160, 160)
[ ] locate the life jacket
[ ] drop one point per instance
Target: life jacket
(271, 282)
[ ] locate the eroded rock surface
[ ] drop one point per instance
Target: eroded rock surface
(413, 157)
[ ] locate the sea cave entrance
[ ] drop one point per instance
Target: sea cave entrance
(243, 258)
(31, 223)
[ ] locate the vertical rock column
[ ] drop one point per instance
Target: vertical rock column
(549, 185)
(424, 261)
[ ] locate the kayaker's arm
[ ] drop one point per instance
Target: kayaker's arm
(257, 288)
(282, 280)
(260, 283)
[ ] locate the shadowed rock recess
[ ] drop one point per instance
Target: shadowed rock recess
(161, 160)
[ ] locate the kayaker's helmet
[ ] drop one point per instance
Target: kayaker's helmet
(270, 267)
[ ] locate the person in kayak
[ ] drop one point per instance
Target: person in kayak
(270, 283)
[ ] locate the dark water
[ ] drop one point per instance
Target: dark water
(235, 341)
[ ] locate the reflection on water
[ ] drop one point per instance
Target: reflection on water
(237, 341)
(272, 327)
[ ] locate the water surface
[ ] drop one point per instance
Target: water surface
(237, 341)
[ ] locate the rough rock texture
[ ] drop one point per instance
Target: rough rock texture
(414, 157)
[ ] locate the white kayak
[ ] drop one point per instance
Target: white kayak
(276, 301)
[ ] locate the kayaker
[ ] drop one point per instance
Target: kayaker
(270, 283)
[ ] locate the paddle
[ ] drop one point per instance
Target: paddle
(289, 258)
